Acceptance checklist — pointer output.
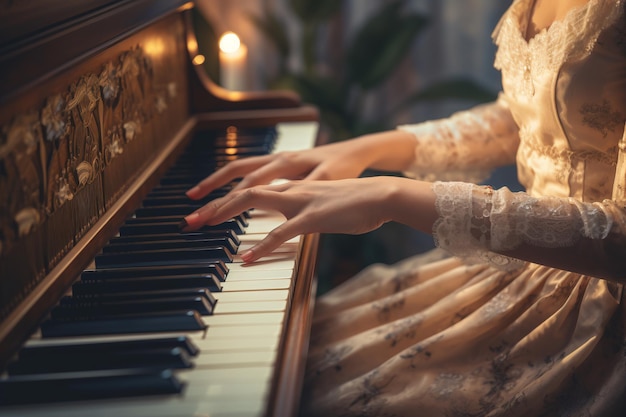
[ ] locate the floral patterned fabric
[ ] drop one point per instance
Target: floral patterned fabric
(436, 335)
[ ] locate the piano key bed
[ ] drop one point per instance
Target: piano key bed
(168, 323)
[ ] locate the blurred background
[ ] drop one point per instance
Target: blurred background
(368, 65)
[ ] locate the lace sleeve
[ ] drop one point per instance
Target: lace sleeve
(476, 222)
(466, 146)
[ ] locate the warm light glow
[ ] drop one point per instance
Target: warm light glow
(186, 6)
(230, 43)
(154, 47)
(192, 45)
(198, 60)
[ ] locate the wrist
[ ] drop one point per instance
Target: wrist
(386, 151)
(411, 203)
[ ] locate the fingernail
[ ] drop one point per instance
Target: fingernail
(191, 192)
(247, 256)
(186, 221)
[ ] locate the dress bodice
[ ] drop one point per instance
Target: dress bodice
(566, 89)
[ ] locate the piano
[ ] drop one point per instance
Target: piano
(106, 308)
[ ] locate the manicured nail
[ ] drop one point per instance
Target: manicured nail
(193, 191)
(183, 224)
(247, 256)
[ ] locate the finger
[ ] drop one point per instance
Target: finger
(275, 238)
(279, 168)
(226, 174)
(222, 209)
(320, 173)
(332, 171)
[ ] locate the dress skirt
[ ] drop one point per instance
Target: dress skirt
(442, 338)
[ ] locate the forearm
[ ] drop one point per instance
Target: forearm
(391, 150)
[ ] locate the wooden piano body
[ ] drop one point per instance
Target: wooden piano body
(97, 100)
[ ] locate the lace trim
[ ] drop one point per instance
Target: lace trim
(464, 227)
(475, 220)
(454, 148)
(572, 38)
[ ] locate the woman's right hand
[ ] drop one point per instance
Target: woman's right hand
(386, 151)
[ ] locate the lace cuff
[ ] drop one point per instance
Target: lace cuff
(477, 221)
(466, 146)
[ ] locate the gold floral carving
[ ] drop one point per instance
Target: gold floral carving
(50, 154)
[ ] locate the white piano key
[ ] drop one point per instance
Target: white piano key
(274, 262)
(242, 296)
(223, 359)
(242, 330)
(252, 285)
(291, 248)
(263, 225)
(251, 307)
(247, 344)
(240, 320)
(243, 274)
(294, 136)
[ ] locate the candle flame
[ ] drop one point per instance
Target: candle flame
(198, 60)
(230, 43)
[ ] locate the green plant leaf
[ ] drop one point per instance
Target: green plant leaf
(321, 91)
(274, 30)
(371, 36)
(325, 94)
(313, 11)
(381, 43)
(389, 58)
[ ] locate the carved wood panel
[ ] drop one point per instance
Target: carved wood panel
(80, 141)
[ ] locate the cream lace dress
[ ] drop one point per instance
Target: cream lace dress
(481, 334)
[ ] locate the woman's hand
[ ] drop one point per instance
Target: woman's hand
(391, 150)
(350, 206)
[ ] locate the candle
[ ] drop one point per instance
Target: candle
(233, 56)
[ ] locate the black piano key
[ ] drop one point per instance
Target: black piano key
(137, 227)
(243, 140)
(81, 308)
(227, 235)
(162, 257)
(91, 287)
(188, 181)
(145, 295)
(165, 199)
(62, 361)
(41, 388)
(216, 268)
(150, 245)
(181, 188)
(240, 151)
(155, 222)
(40, 352)
(179, 210)
(173, 321)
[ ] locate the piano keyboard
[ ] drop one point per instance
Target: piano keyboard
(210, 350)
